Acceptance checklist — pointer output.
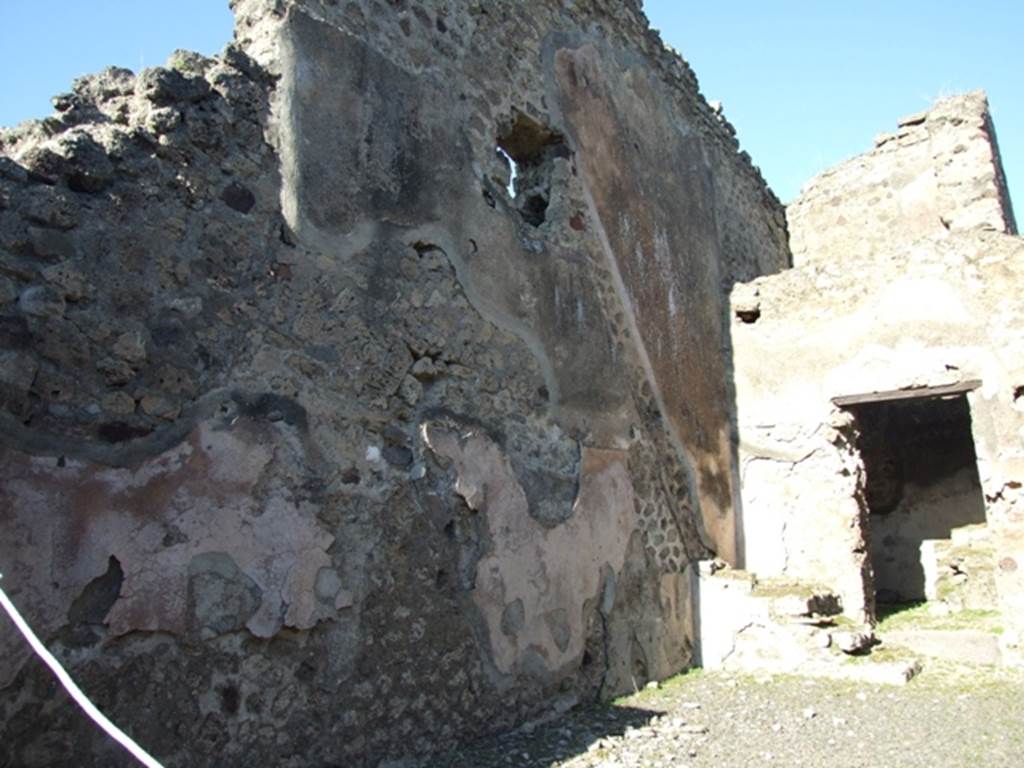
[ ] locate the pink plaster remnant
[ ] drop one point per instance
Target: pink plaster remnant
(62, 524)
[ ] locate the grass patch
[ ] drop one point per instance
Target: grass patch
(880, 654)
(972, 679)
(666, 690)
(923, 615)
(734, 574)
(787, 588)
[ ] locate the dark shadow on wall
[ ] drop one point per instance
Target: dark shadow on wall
(60, 734)
(664, 185)
(744, 257)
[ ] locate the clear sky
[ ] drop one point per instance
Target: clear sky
(807, 83)
(45, 44)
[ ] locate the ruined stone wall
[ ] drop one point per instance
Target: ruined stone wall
(939, 171)
(942, 309)
(320, 447)
(904, 279)
(617, 102)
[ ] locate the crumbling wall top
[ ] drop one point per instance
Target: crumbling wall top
(939, 171)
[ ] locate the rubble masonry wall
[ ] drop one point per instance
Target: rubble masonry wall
(939, 171)
(320, 448)
(900, 302)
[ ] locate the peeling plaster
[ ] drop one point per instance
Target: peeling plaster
(156, 519)
(550, 573)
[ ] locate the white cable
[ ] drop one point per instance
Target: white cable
(69, 685)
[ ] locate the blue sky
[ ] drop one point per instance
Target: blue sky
(48, 43)
(806, 83)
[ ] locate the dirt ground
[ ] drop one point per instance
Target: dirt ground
(948, 716)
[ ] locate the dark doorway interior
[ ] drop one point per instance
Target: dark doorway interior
(922, 482)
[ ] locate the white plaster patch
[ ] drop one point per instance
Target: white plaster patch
(553, 572)
(921, 300)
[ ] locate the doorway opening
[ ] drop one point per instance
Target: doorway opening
(921, 483)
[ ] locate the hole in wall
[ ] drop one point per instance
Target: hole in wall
(230, 699)
(748, 316)
(513, 166)
(534, 210)
(528, 149)
(121, 432)
(1018, 398)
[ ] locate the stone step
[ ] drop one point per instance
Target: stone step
(968, 535)
(770, 624)
(871, 672)
(787, 598)
(962, 645)
(807, 603)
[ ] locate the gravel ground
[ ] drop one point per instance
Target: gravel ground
(947, 717)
